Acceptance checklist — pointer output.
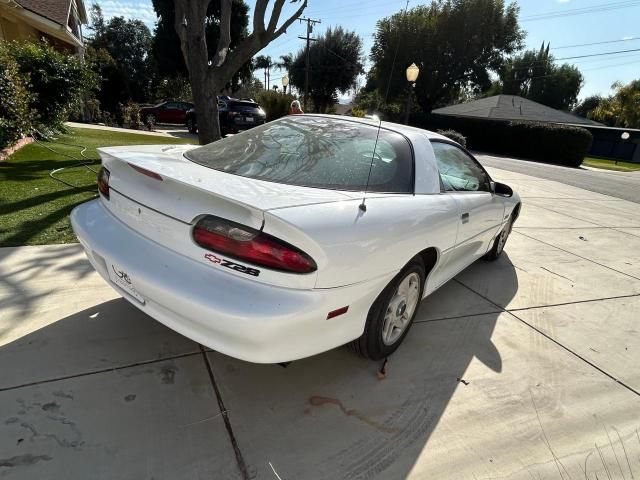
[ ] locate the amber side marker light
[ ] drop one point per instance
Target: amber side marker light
(338, 312)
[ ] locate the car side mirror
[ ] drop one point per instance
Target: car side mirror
(502, 189)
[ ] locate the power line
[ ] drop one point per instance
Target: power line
(611, 66)
(580, 11)
(598, 54)
(629, 39)
(354, 7)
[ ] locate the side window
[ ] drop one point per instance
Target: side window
(221, 104)
(458, 171)
(172, 105)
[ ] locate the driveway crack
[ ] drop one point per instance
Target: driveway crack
(242, 466)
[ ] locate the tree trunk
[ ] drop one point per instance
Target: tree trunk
(206, 102)
(208, 77)
(194, 47)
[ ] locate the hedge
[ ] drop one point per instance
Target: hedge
(275, 104)
(546, 142)
(39, 87)
(14, 104)
(455, 136)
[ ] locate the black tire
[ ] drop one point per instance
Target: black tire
(192, 126)
(371, 344)
(500, 241)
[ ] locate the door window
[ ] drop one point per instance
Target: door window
(172, 105)
(459, 172)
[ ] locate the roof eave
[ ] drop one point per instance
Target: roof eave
(61, 32)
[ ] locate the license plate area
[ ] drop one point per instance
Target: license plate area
(123, 280)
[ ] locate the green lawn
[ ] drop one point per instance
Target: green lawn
(610, 164)
(34, 208)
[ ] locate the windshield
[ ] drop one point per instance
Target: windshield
(315, 152)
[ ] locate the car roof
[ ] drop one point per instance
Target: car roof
(397, 127)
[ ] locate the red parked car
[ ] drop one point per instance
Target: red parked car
(166, 112)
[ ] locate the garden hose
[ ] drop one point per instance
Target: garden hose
(81, 163)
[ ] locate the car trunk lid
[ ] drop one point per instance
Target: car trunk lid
(160, 194)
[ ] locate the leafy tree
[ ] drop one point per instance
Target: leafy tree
(265, 63)
(211, 69)
(586, 107)
(335, 61)
(57, 82)
(128, 42)
(535, 76)
(167, 58)
(15, 117)
(456, 43)
(622, 109)
(285, 63)
(114, 84)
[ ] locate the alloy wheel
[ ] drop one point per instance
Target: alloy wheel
(400, 309)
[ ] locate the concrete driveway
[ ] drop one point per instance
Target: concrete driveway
(526, 368)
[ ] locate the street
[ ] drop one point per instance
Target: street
(624, 185)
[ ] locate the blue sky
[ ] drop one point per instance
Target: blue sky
(614, 21)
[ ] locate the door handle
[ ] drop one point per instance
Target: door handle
(465, 217)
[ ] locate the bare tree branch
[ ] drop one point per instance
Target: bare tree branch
(258, 17)
(254, 43)
(286, 24)
(225, 33)
(275, 16)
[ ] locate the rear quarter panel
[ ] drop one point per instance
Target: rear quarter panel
(352, 246)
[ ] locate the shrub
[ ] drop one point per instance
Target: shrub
(131, 114)
(546, 142)
(275, 104)
(56, 81)
(356, 112)
(455, 136)
(177, 87)
(15, 118)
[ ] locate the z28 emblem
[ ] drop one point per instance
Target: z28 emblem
(232, 265)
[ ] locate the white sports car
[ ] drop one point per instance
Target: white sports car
(295, 237)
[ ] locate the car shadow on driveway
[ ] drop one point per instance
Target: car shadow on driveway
(330, 416)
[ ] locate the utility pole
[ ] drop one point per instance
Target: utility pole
(310, 23)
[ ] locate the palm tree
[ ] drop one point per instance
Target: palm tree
(285, 63)
(266, 63)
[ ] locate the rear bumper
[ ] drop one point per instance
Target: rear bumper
(235, 316)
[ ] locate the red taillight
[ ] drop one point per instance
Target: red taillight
(253, 246)
(103, 182)
(146, 172)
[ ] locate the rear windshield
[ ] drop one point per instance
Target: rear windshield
(315, 152)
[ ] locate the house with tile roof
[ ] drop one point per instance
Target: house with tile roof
(59, 22)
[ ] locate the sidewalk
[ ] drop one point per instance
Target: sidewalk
(160, 130)
(528, 367)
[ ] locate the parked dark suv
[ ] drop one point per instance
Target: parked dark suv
(235, 115)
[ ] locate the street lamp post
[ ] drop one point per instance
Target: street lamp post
(285, 83)
(412, 75)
